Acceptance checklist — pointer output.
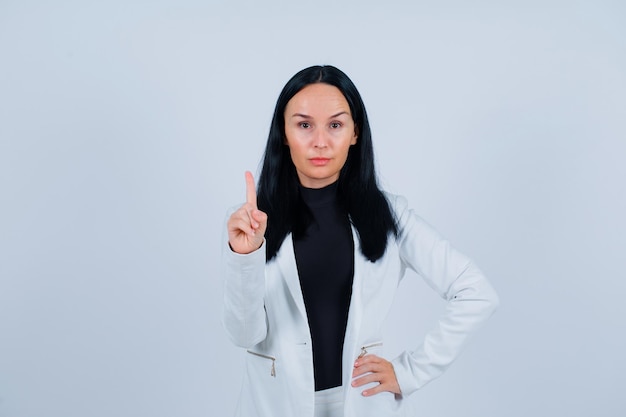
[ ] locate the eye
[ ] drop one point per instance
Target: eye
(335, 125)
(304, 125)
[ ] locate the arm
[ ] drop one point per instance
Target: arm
(470, 300)
(243, 263)
(243, 314)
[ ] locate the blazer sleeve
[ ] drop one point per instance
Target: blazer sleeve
(470, 299)
(243, 313)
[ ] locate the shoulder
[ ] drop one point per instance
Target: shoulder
(407, 220)
(399, 206)
(396, 202)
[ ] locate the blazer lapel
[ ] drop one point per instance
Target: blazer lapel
(289, 270)
(355, 314)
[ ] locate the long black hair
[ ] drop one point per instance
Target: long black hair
(278, 191)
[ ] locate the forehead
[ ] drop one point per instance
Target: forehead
(318, 100)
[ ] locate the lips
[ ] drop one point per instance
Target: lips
(319, 161)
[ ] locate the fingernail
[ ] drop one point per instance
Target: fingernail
(356, 363)
(365, 393)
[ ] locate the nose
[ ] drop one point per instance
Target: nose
(320, 140)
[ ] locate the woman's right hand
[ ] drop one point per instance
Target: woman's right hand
(246, 226)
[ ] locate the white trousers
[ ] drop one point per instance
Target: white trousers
(329, 402)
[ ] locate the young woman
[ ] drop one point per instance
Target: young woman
(313, 262)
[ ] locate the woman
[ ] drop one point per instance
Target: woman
(314, 261)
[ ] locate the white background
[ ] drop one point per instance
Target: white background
(125, 129)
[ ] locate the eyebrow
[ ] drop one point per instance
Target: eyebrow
(306, 116)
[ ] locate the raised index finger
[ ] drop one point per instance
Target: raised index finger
(250, 189)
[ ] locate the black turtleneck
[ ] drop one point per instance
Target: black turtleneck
(325, 259)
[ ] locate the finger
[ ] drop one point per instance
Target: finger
(368, 361)
(242, 221)
(368, 367)
(375, 390)
(366, 379)
(242, 215)
(238, 226)
(386, 385)
(249, 214)
(250, 189)
(371, 358)
(245, 226)
(260, 217)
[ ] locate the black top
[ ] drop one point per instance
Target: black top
(325, 259)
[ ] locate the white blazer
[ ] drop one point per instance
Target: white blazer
(264, 313)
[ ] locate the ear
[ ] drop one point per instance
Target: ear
(355, 136)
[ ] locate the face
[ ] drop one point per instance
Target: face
(320, 131)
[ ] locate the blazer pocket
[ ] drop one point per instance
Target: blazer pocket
(269, 359)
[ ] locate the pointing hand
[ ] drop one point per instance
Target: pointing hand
(246, 226)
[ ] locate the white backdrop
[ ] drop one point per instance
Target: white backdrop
(125, 129)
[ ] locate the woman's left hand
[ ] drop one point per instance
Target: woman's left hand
(372, 368)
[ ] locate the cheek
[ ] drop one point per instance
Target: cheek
(295, 139)
(349, 141)
(296, 152)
